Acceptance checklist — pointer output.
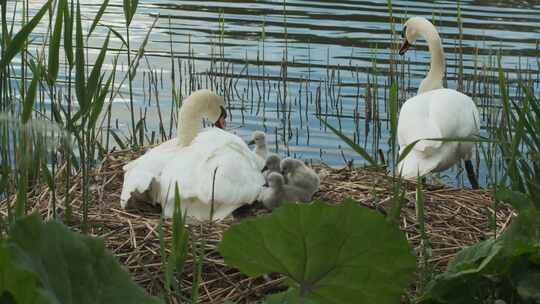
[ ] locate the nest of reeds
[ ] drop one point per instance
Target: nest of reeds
(454, 218)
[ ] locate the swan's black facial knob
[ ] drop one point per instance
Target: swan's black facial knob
(404, 32)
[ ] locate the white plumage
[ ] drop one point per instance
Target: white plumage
(191, 160)
(435, 113)
(441, 113)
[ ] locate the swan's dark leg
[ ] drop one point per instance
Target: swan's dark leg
(470, 174)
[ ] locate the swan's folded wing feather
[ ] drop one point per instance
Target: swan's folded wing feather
(415, 123)
(142, 174)
(238, 178)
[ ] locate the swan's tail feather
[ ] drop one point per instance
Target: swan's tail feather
(138, 186)
(414, 165)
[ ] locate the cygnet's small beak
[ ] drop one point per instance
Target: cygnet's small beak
(251, 142)
(264, 169)
(404, 46)
(265, 185)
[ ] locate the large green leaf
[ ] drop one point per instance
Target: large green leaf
(48, 263)
(291, 296)
(528, 286)
(464, 274)
(331, 254)
(503, 266)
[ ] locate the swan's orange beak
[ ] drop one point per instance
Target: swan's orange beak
(404, 47)
(220, 123)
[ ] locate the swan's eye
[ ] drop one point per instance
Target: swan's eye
(404, 31)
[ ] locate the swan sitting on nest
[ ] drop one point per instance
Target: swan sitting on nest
(435, 113)
(191, 160)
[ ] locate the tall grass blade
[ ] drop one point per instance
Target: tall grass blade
(99, 101)
(80, 77)
(99, 14)
(140, 51)
(361, 151)
(117, 34)
(393, 109)
(398, 199)
(16, 45)
(68, 34)
(54, 45)
(30, 97)
(130, 7)
(93, 79)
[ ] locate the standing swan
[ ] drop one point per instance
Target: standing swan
(435, 113)
(191, 160)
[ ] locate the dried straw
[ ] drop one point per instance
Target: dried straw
(455, 218)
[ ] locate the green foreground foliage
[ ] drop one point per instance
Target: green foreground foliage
(507, 268)
(330, 254)
(48, 263)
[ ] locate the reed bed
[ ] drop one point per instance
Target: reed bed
(454, 218)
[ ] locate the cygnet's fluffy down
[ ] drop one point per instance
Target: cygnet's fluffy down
(299, 175)
(278, 192)
(258, 139)
(272, 164)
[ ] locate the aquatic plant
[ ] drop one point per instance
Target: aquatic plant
(329, 254)
(49, 263)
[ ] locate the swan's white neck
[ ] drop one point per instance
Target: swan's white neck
(436, 72)
(189, 121)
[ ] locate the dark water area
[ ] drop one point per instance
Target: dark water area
(280, 64)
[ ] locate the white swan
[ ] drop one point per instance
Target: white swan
(191, 160)
(435, 113)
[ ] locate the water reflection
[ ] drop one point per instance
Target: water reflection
(338, 57)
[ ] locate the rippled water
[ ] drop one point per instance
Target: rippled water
(338, 56)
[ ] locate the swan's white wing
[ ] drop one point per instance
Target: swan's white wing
(455, 113)
(417, 163)
(441, 113)
(141, 174)
(415, 122)
(238, 177)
